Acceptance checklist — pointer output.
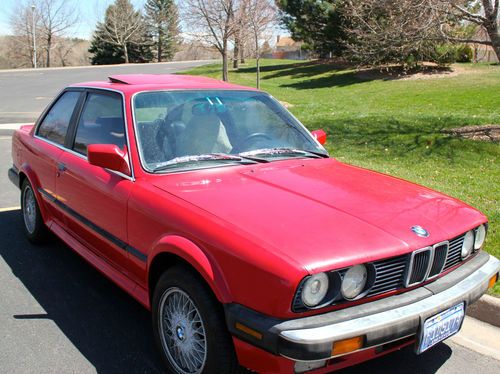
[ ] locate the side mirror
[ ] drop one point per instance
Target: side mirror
(108, 156)
(320, 136)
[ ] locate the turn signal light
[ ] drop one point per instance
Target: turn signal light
(347, 345)
(493, 280)
(248, 330)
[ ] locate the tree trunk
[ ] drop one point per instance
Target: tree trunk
(258, 72)
(160, 42)
(225, 77)
(257, 58)
(242, 53)
(125, 52)
(49, 45)
(236, 53)
(491, 26)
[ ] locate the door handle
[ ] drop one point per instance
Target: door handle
(61, 167)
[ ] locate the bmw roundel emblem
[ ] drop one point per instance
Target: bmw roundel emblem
(420, 231)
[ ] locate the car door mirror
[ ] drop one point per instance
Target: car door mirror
(320, 136)
(108, 156)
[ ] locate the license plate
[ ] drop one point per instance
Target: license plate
(441, 326)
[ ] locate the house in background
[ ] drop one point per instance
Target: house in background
(287, 48)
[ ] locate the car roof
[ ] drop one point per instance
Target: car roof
(131, 83)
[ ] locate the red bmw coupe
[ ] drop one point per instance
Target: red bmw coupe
(221, 213)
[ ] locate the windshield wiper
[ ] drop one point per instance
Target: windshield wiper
(218, 157)
(283, 151)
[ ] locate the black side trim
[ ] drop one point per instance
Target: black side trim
(105, 234)
(14, 176)
(256, 321)
(271, 340)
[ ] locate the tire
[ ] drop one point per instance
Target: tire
(215, 353)
(35, 229)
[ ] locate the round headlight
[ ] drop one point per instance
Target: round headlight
(315, 289)
(354, 281)
(480, 236)
(468, 244)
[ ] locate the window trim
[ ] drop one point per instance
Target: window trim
(45, 113)
(72, 125)
(81, 109)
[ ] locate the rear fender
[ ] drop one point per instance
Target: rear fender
(25, 171)
(198, 259)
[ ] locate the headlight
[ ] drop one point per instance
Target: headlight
(354, 282)
(315, 289)
(468, 244)
(480, 236)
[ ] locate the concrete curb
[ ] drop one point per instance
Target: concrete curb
(486, 309)
(20, 70)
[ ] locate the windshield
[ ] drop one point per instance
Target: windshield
(197, 129)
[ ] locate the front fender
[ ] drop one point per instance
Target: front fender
(201, 261)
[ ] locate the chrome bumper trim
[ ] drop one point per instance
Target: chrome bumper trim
(401, 319)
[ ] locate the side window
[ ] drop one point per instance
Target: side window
(56, 122)
(101, 122)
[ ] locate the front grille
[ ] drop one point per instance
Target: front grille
(389, 275)
(419, 264)
(440, 254)
(454, 253)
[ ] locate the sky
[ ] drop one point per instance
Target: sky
(90, 11)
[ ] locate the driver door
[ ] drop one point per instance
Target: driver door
(96, 198)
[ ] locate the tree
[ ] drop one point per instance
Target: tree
(240, 23)
(391, 31)
(212, 21)
(483, 13)
(56, 17)
(123, 27)
(410, 31)
(260, 17)
(163, 21)
(105, 53)
(318, 23)
(20, 49)
(52, 20)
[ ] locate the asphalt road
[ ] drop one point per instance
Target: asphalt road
(24, 94)
(59, 315)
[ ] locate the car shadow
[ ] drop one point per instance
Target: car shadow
(405, 361)
(110, 329)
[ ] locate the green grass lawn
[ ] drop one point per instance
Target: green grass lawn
(394, 125)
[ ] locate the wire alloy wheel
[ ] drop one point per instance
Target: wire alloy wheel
(182, 332)
(29, 210)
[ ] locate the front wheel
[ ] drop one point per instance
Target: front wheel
(189, 325)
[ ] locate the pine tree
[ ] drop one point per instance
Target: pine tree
(122, 37)
(162, 18)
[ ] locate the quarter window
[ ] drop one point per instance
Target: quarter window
(55, 124)
(101, 122)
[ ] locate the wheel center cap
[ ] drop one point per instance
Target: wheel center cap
(180, 332)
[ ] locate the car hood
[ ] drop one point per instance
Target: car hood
(321, 213)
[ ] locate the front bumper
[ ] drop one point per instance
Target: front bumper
(379, 322)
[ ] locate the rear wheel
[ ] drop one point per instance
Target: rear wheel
(189, 325)
(35, 229)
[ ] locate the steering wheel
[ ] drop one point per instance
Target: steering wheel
(250, 138)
